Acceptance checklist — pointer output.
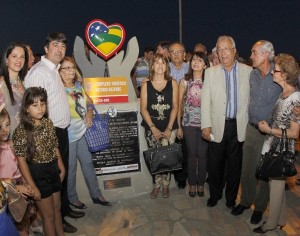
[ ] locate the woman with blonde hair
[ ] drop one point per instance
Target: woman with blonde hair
(81, 119)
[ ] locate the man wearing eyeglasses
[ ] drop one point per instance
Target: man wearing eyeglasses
(177, 65)
(178, 70)
(263, 95)
(224, 118)
(45, 74)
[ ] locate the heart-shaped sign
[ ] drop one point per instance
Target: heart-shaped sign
(104, 39)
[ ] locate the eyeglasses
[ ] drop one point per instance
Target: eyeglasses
(274, 71)
(68, 68)
(176, 51)
(226, 50)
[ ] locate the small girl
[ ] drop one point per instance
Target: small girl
(36, 147)
(9, 170)
(6, 225)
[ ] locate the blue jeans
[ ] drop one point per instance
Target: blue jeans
(79, 149)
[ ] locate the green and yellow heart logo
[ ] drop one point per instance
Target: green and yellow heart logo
(105, 40)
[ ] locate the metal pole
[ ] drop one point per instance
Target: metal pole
(180, 21)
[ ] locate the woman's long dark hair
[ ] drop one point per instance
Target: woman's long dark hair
(203, 56)
(30, 96)
(4, 68)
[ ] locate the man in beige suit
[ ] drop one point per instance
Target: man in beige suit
(224, 118)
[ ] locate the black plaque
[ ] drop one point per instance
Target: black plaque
(124, 152)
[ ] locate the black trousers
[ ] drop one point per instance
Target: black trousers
(225, 164)
(63, 142)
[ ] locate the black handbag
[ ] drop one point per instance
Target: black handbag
(276, 164)
(164, 158)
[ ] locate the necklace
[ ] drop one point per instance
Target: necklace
(14, 82)
(286, 94)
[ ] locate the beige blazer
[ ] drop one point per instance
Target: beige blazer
(213, 101)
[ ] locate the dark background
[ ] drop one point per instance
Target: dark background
(151, 21)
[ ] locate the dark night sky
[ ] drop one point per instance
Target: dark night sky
(152, 21)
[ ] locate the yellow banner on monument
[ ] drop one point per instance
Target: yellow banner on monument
(107, 89)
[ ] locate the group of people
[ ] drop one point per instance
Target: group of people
(44, 115)
(227, 115)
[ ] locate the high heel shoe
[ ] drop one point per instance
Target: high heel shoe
(103, 203)
(259, 230)
(280, 226)
(200, 191)
(192, 191)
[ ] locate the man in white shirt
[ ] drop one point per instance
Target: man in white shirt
(45, 74)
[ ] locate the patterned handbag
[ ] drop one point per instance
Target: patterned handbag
(17, 204)
(97, 136)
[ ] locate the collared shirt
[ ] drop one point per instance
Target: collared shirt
(264, 94)
(8, 163)
(231, 81)
(179, 74)
(45, 74)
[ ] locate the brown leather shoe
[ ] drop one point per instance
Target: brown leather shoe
(154, 192)
(166, 192)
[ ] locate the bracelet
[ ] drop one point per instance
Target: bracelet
(169, 129)
(270, 133)
(151, 126)
(90, 106)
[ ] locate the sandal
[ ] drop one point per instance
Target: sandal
(154, 192)
(166, 192)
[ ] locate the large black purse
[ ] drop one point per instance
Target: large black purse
(276, 164)
(164, 158)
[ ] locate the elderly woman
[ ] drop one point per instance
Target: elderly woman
(285, 73)
(159, 106)
(81, 119)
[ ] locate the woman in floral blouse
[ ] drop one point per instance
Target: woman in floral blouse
(189, 122)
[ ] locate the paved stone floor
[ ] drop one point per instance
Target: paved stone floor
(179, 215)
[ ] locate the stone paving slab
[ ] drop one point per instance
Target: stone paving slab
(179, 215)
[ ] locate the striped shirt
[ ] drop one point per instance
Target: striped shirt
(141, 71)
(45, 74)
(231, 91)
(179, 74)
